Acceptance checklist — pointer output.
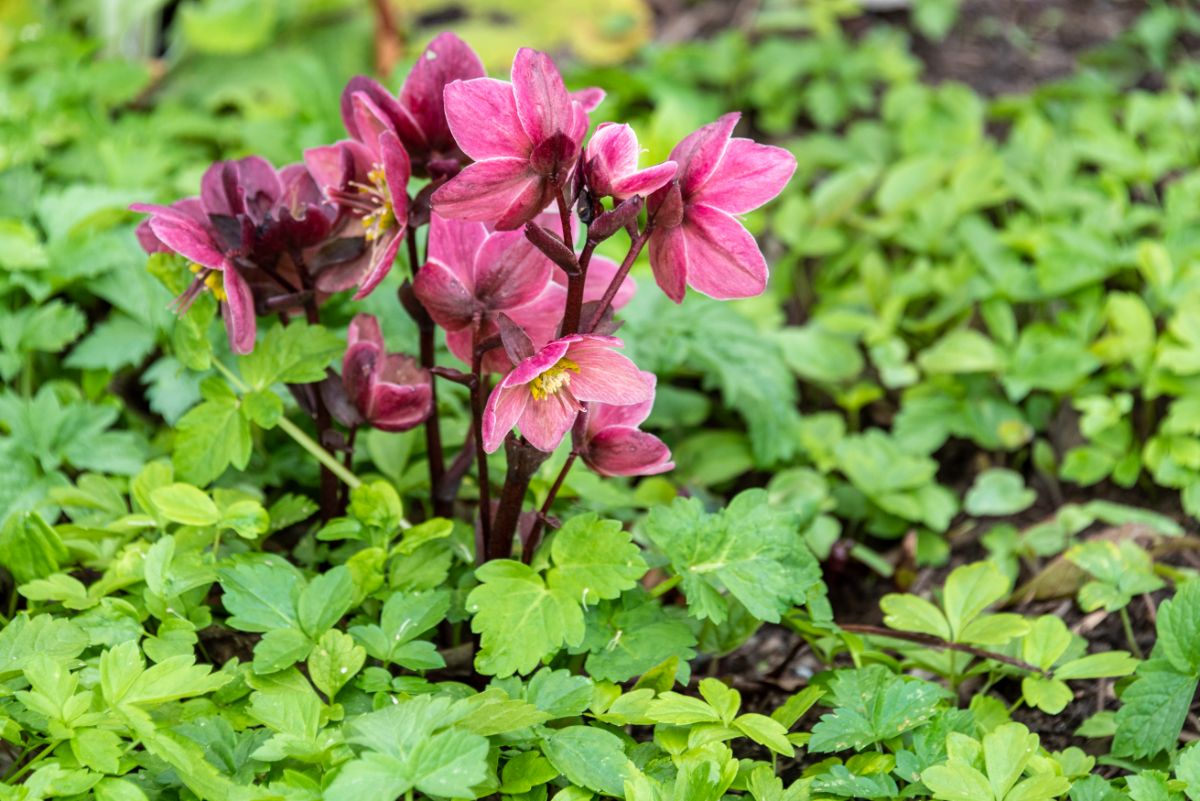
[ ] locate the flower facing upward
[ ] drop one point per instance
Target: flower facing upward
(389, 390)
(696, 240)
(615, 446)
(610, 163)
(524, 137)
(543, 394)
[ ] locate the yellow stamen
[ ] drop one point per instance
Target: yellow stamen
(214, 284)
(195, 267)
(554, 379)
(384, 216)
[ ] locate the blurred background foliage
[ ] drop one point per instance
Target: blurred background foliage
(985, 271)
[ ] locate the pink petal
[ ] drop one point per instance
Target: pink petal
(626, 451)
(606, 376)
(386, 106)
(383, 256)
(700, 152)
(540, 318)
(399, 407)
(504, 408)
(748, 176)
(450, 302)
(504, 191)
(589, 97)
(182, 234)
(446, 59)
(724, 260)
(611, 154)
(645, 181)
(369, 121)
(258, 182)
(669, 260)
(396, 170)
(359, 367)
(543, 105)
(482, 114)
(510, 271)
(240, 323)
(537, 364)
(218, 189)
(545, 422)
(603, 415)
(454, 243)
(364, 328)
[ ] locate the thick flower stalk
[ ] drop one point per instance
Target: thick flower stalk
(524, 136)
(697, 241)
(544, 394)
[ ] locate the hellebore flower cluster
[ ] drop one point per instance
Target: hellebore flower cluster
(505, 179)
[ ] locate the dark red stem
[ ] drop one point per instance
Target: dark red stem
(481, 465)
(523, 462)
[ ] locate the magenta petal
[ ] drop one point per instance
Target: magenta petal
(215, 189)
(504, 408)
(482, 114)
(626, 451)
(450, 302)
(364, 328)
(589, 98)
(240, 323)
(700, 152)
(510, 271)
(454, 243)
(361, 86)
(258, 181)
(446, 59)
(645, 181)
(537, 364)
(399, 407)
(383, 256)
(501, 190)
(669, 260)
(603, 415)
(396, 170)
(748, 176)
(369, 121)
(611, 154)
(545, 422)
(725, 261)
(543, 105)
(185, 236)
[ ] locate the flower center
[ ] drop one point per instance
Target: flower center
(211, 280)
(554, 379)
(382, 216)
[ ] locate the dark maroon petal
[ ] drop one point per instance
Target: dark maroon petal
(397, 407)
(359, 367)
(381, 98)
(240, 323)
(449, 301)
(510, 271)
(626, 451)
(446, 59)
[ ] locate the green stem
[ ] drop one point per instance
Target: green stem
(11, 779)
(292, 430)
(663, 587)
(1128, 626)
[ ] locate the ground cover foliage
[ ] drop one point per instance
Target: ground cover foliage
(948, 458)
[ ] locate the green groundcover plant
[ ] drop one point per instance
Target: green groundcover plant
(412, 521)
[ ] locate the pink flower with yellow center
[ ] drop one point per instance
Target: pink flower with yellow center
(544, 393)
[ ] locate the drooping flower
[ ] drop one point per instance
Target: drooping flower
(697, 241)
(473, 275)
(615, 446)
(543, 394)
(241, 234)
(418, 115)
(524, 136)
(610, 164)
(368, 179)
(390, 390)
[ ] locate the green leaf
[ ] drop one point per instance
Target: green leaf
(261, 595)
(969, 590)
(961, 351)
(125, 679)
(114, 343)
(1178, 629)
(957, 782)
(334, 660)
(521, 620)
(817, 354)
(297, 353)
(905, 612)
(589, 757)
(263, 408)
(764, 731)
(872, 705)
(594, 559)
(325, 600)
(1187, 769)
(998, 492)
(749, 550)
(29, 548)
(1153, 710)
(209, 438)
(183, 503)
(405, 617)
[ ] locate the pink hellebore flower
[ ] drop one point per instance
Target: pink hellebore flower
(545, 392)
(610, 165)
(368, 179)
(524, 137)
(473, 275)
(614, 446)
(418, 115)
(240, 234)
(696, 239)
(389, 390)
